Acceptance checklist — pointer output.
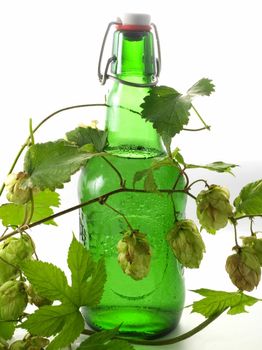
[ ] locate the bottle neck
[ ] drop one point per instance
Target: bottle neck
(135, 59)
(129, 135)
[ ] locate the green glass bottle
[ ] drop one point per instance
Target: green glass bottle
(152, 306)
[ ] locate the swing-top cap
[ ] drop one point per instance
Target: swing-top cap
(134, 21)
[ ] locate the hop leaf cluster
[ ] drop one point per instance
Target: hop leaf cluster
(64, 321)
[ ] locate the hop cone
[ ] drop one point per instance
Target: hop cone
(31, 343)
(187, 243)
(7, 271)
(213, 208)
(12, 252)
(13, 300)
(244, 269)
(15, 185)
(16, 250)
(134, 255)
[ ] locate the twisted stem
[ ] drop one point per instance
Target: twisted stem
(173, 340)
(78, 206)
(30, 137)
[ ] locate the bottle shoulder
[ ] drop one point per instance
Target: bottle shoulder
(99, 176)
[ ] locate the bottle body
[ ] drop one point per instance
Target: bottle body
(152, 306)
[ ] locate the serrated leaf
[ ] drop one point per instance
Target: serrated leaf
(88, 279)
(167, 140)
(72, 328)
(167, 109)
(51, 164)
(47, 279)
(148, 173)
(104, 341)
(48, 320)
(218, 301)
(149, 180)
(219, 167)
(249, 201)
(13, 214)
(43, 201)
(7, 330)
(204, 87)
(82, 266)
(139, 175)
(176, 155)
(93, 290)
(150, 184)
(83, 136)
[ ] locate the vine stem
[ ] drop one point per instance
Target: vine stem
(78, 206)
(199, 116)
(235, 234)
(119, 213)
(251, 228)
(199, 180)
(39, 125)
(248, 216)
(199, 129)
(170, 341)
(122, 182)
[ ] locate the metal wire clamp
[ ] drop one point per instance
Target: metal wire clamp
(103, 77)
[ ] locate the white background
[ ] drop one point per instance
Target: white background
(48, 60)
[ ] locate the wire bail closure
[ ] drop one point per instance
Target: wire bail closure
(103, 77)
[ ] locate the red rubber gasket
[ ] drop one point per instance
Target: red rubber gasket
(133, 27)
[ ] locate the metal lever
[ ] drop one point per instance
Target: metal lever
(103, 77)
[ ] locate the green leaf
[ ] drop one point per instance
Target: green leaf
(82, 136)
(51, 164)
(88, 279)
(167, 140)
(167, 109)
(176, 155)
(72, 328)
(148, 173)
(48, 320)
(149, 180)
(13, 214)
(249, 201)
(204, 87)
(104, 341)
(150, 184)
(82, 267)
(219, 167)
(139, 175)
(64, 320)
(7, 330)
(48, 280)
(218, 301)
(43, 201)
(92, 292)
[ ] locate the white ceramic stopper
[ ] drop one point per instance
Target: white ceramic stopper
(139, 19)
